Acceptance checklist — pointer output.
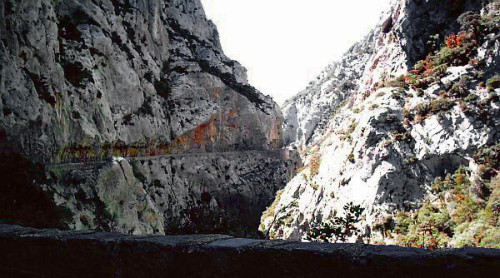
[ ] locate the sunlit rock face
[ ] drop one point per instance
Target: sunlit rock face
(82, 81)
(354, 132)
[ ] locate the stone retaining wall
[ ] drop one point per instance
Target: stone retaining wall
(27, 252)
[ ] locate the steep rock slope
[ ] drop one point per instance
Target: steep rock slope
(377, 128)
(80, 75)
(82, 81)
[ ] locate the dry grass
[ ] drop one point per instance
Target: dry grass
(314, 165)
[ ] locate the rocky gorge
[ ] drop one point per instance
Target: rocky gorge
(129, 143)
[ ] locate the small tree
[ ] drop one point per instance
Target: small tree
(341, 228)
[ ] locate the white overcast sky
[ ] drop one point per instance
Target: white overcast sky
(285, 44)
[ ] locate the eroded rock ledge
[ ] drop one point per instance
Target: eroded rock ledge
(28, 252)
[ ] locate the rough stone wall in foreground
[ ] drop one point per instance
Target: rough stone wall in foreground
(35, 253)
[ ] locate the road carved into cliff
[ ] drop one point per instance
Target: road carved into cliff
(282, 154)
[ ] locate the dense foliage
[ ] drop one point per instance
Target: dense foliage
(461, 211)
(341, 228)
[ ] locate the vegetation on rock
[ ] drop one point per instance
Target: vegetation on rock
(341, 228)
(461, 211)
(314, 164)
(457, 50)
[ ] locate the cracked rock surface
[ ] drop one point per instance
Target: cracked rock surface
(218, 193)
(84, 81)
(352, 129)
(96, 72)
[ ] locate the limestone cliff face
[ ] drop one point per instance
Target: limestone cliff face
(377, 127)
(197, 193)
(80, 78)
(81, 81)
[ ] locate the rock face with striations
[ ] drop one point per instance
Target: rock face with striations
(82, 81)
(378, 127)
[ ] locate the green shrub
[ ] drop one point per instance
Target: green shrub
(351, 158)
(270, 211)
(314, 185)
(491, 238)
(466, 210)
(445, 55)
(472, 98)
(493, 83)
(420, 92)
(434, 226)
(346, 134)
(441, 104)
(402, 137)
(422, 109)
(459, 89)
(492, 210)
(489, 161)
(406, 113)
(403, 220)
(340, 228)
(426, 230)
(433, 107)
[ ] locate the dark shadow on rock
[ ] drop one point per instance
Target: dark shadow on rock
(22, 200)
(406, 195)
(424, 20)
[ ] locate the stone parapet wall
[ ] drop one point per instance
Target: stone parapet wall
(29, 252)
